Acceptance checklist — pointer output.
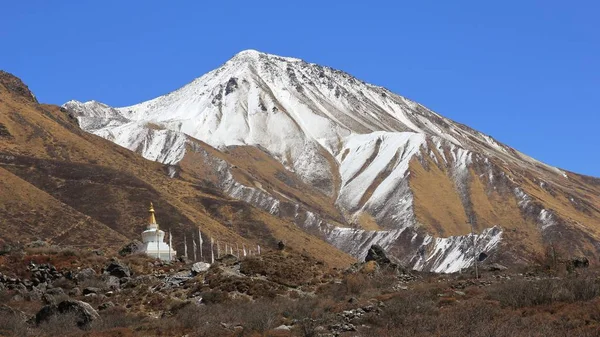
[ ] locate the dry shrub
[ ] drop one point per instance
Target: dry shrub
(523, 293)
(59, 325)
(12, 326)
(208, 320)
(116, 317)
(356, 283)
(63, 283)
(260, 316)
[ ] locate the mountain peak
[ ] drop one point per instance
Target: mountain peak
(255, 55)
(249, 53)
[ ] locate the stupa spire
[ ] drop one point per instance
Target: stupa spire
(151, 218)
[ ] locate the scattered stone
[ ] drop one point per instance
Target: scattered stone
(578, 262)
(131, 248)
(283, 327)
(85, 274)
(58, 291)
(84, 313)
(118, 269)
(105, 306)
(75, 292)
(497, 267)
(228, 260)
(460, 293)
(91, 290)
(200, 267)
(112, 282)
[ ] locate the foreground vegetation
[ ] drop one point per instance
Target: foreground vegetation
(287, 294)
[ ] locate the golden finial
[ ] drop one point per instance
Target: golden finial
(151, 218)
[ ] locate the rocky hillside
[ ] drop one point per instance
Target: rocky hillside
(48, 290)
(355, 164)
(65, 186)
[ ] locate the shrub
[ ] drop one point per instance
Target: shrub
(523, 293)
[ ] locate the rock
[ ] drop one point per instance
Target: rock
(280, 245)
(497, 267)
(118, 269)
(580, 262)
(83, 312)
(283, 327)
(228, 260)
(112, 282)
(131, 248)
(75, 292)
(200, 267)
(85, 274)
(106, 305)
(377, 254)
(55, 291)
(460, 293)
(91, 290)
(98, 252)
(34, 295)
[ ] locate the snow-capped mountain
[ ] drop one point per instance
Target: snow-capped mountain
(394, 172)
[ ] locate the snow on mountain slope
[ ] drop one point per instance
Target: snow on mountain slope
(351, 141)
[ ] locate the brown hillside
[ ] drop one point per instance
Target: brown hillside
(62, 184)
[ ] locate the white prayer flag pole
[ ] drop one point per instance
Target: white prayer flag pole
(201, 242)
(194, 245)
(237, 249)
(258, 246)
(157, 244)
(170, 245)
(244, 249)
(212, 250)
(218, 250)
(185, 246)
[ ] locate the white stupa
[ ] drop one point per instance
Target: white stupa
(153, 239)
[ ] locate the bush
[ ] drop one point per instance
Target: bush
(523, 293)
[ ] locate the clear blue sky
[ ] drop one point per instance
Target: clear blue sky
(525, 72)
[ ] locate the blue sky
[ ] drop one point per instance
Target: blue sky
(525, 72)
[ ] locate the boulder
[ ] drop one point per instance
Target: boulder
(580, 262)
(85, 274)
(106, 305)
(131, 248)
(83, 313)
(228, 260)
(283, 327)
(118, 269)
(377, 254)
(496, 267)
(200, 267)
(112, 282)
(75, 292)
(91, 290)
